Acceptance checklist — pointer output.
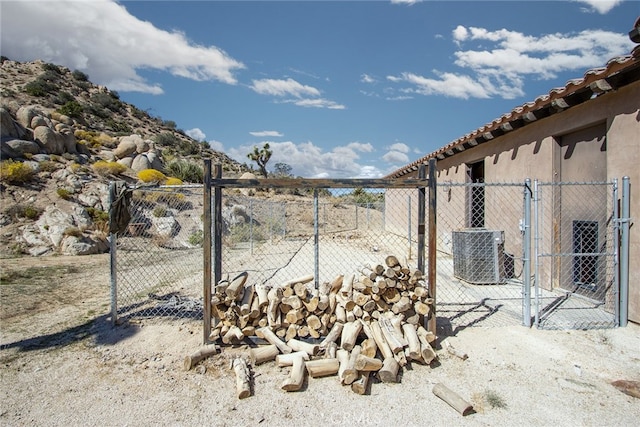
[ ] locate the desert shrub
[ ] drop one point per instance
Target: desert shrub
(186, 171)
(169, 124)
(63, 193)
(104, 168)
(98, 215)
(107, 100)
(72, 231)
(38, 87)
(196, 238)
(62, 98)
(138, 113)
(151, 175)
(15, 172)
(160, 211)
(71, 109)
(18, 211)
(48, 166)
(173, 181)
(51, 67)
(166, 139)
(118, 126)
(79, 75)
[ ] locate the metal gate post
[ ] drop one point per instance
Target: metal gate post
(421, 218)
(112, 263)
(526, 256)
(624, 252)
(616, 254)
(217, 228)
(316, 249)
(431, 266)
(206, 246)
(536, 253)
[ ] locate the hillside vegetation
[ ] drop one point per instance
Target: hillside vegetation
(63, 139)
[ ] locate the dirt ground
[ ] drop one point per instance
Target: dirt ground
(62, 363)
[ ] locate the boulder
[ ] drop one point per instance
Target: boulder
(247, 191)
(40, 121)
(52, 224)
(8, 127)
(73, 245)
(166, 226)
(20, 147)
(140, 162)
(49, 139)
(26, 113)
(128, 145)
(6, 152)
(127, 161)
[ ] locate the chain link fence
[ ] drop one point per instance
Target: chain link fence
(157, 261)
(577, 255)
(480, 255)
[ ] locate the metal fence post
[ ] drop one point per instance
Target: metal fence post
(251, 226)
(536, 251)
(624, 251)
(409, 225)
(316, 252)
(422, 174)
(431, 266)
(206, 306)
(217, 227)
(113, 267)
(526, 256)
(616, 253)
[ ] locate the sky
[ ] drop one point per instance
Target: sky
(339, 89)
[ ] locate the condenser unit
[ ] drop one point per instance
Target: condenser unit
(478, 256)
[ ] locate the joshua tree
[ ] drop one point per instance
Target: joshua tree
(261, 157)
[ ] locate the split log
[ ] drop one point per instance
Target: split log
(273, 317)
(427, 352)
(389, 371)
(402, 305)
(322, 367)
(367, 364)
(255, 310)
(360, 385)
(428, 335)
(261, 292)
(283, 360)
(350, 374)
(336, 284)
(343, 359)
(234, 334)
(292, 332)
(347, 286)
(300, 290)
(341, 314)
(263, 353)
(310, 349)
(195, 358)
(243, 377)
(311, 303)
(453, 399)
(382, 344)
(292, 301)
(369, 347)
(333, 335)
(303, 279)
(350, 333)
(296, 377)
(411, 336)
(396, 343)
(235, 290)
(270, 336)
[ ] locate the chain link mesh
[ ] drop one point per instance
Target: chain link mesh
(577, 286)
(159, 256)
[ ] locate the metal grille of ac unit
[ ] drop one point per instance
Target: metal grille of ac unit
(478, 255)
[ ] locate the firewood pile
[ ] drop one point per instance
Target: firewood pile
(365, 324)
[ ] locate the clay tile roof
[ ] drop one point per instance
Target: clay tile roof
(543, 105)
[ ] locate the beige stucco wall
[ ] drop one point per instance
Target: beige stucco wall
(528, 152)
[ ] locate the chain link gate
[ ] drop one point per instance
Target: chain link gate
(576, 248)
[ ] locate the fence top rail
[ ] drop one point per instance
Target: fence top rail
(318, 183)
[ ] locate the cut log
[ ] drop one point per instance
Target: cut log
(426, 351)
(369, 347)
(367, 364)
(300, 290)
(347, 286)
(389, 371)
(453, 399)
(243, 378)
(314, 322)
(322, 367)
(343, 358)
(248, 331)
(293, 301)
(263, 353)
(292, 332)
(312, 303)
(195, 358)
(261, 292)
(391, 261)
(391, 295)
(396, 343)
(283, 360)
(402, 305)
(411, 336)
(330, 351)
(350, 333)
(303, 279)
(429, 336)
(452, 350)
(360, 385)
(333, 335)
(350, 373)
(273, 316)
(233, 335)
(296, 377)
(382, 344)
(421, 308)
(235, 290)
(309, 348)
(270, 336)
(341, 314)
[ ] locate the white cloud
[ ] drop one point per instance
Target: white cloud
(288, 87)
(317, 103)
(219, 146)
(501, 60)
(106, 42)
(365, 78)
(196, 133)
(399, 146)
(407, 2)
(308, 160)
(267, 133)
(396, 157)
(601, 6)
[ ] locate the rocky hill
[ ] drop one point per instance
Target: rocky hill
(63, 139)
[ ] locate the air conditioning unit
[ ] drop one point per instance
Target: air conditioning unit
(478, 256)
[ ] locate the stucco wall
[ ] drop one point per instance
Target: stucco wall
(528, 152)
